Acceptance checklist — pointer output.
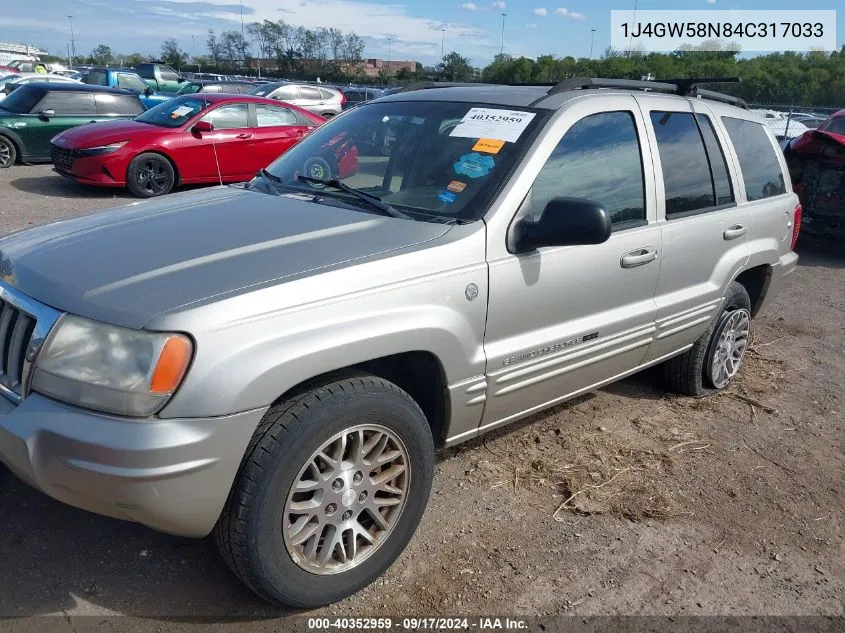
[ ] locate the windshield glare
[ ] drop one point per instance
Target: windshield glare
(436, 158)
(174, 112)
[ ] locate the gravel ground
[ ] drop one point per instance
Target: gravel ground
(732, 505)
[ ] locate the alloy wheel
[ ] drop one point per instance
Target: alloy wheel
(729, 348)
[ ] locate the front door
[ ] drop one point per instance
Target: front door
(223, 154)
(563, 320)
(705, 231)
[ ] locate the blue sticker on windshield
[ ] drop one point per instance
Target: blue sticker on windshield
(474, 165)
(448, 197)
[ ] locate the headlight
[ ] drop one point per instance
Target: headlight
(109, 368)
(101, 149)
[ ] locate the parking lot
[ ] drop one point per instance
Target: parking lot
(732, 505)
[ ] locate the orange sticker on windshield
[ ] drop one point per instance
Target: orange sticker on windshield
(456, 186)
(491, 146)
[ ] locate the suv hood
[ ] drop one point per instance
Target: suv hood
(127, 265)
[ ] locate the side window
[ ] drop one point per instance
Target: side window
(287, 93)
(146, 71)
(130, 82)
(270, 116)
(687, 181)
(311, 94)
(97, 78)
(69, 103)
(118, 105)
(598, 158)
(718, 166)
(757, 159)
(167, 73)
(228, 117)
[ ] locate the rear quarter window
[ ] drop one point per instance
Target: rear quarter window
(758, 161)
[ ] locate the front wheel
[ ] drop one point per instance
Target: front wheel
(332, 487)
(714, 360)
(150, 175)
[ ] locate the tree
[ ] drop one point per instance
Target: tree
(171, 54)
(455, 67)
(102, 55)
(214, 49)
(133, 59)
(404, 75)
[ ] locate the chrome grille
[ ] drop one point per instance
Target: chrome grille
(62, 158)
(16, 329)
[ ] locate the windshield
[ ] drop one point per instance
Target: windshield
(834, 125)
(174, 112)
(434, 158)
(23, 100)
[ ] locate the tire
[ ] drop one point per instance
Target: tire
(691, 373)
(150, 175)
(256, 530)
(8, 152)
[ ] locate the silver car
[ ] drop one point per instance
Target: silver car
(278, 363)
(321, 100)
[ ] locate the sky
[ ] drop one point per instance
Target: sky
(409, 30)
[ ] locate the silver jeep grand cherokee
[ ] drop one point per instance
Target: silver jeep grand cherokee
(276, 363)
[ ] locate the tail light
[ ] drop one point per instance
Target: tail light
(342, 99)
(796, 225)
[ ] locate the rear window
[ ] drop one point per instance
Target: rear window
(757, 159)
(118, 105)
(97, 78)
(834, 125)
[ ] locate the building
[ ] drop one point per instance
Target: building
(10, 51)
(373, 67)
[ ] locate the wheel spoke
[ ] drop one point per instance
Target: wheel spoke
(388, 475)
(378, 518)
(305, 532)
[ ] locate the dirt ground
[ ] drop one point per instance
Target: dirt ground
(625, 501)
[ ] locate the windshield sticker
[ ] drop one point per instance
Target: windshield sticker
(456, 186)
(180, 111)
(474, 165)
(489, 123)
(447, 196)
(488, 145)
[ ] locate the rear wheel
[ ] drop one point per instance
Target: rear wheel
(714, 360)
(150, 175)
(8, 152)
(332, 487)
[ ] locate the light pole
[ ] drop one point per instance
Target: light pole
(502, 51)
(592, 39)
(389, 39)
(72, 41)
(443, 43)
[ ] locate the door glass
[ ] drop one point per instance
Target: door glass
(228, 117)
(757, 159)
(118, 105)
(97, 78)
(327, 95)
(270, 116)
(718, 166)
(168, 74)
(599, 159)
(69, 103)
(131, 82)
(687, 180)
(311, 94)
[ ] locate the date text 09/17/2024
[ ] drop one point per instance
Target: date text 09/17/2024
(417, 624)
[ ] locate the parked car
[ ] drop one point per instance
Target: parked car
(187, 140)
(228, 87)
(160, 77)
(357, 95)
(128, 80)
(13, 81)
(780, 124)
(278, 363)
(811, 120)
(326, 102)
(816, 162)
(28, 66)
(33, 114)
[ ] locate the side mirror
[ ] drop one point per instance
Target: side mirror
(564, 222)
(201, 127)
(181, 80)
(148, 91)
(48, 113)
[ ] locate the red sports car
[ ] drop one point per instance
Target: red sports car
(213, 138)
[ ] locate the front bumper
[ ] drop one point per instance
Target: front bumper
(780, 272)
(108, 170)
(172, 475)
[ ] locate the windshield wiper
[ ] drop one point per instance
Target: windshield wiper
(374, 201)
(272, 180)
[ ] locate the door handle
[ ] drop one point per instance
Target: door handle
(244, 135)
(638, 257)
(735, 231)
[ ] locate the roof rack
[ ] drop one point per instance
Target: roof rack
(424, 85)
(685, 87)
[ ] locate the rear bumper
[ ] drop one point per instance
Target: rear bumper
(780, 273)
(171, 475)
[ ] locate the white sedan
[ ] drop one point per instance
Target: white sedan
(25, 78)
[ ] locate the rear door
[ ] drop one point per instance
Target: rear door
(276, 129)
(71, 109)
(312, 99)
(704, 225)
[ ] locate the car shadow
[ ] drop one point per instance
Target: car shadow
(818, 252)
(55, 186)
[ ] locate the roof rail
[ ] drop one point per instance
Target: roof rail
(686, 87)
(424, 85)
